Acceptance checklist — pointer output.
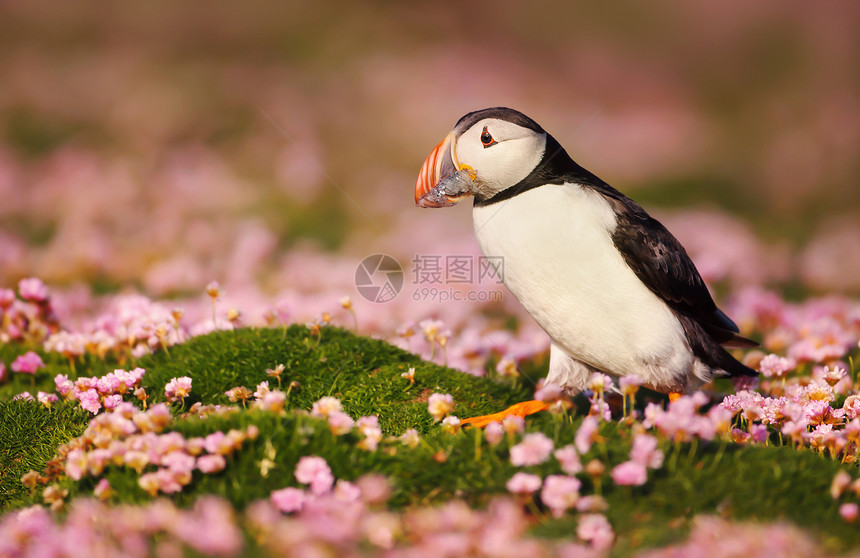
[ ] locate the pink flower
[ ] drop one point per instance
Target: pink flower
(451, 424)
(796, 430)
(568, 457)
(776, 366)
(76, 464)
(759, 433)
(839, 484)
(739, 436)
(849, 512)
(523, 483)
(549, 393)
(272, 401)
(111, 401)
(107, 384)
(600, 382)
(595, 529)
(592, 504)
(340, 423)
(630, 473)
(3, 375)
(218, 443)
(167, 481)
(440, 405)
(46, 399)
(629, 384)
(137, 460)
(149, 483)
(494, 432)
(507, 367)
(560, 493)
(818, 412)
(103, 490)
(195, 446)
(289, 500)
(375, 489)
(345, 491)
(132, 377)
(262, 390)
(179, 462)
(745, 382)
(851, 407)
(600, 408)
(533, 450)
(369, 428)
(586, 434)
(28, 363)
(410, 438)
(177, 389)
(7, 297)
(645, 452)
(210, 528)
(213, 290)
(83, 384)
(32, 289)
(721, 419)
(90, 400)
(314, 471)
(513, 424)
(211, 463)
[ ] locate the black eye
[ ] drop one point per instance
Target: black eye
(487, 139)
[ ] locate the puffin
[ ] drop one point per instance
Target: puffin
(613, 289)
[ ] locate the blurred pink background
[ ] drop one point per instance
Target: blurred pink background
(155, 146)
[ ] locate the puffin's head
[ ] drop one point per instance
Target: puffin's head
(494, 149)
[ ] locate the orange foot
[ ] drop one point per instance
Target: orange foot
(674, 396)
(520, 409)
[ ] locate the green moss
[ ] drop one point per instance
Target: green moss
(363, 373)
(29, 436)
(742, 483)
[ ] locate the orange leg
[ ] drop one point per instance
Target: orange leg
(520, 409)
(674, 395)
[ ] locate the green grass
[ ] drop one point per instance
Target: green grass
(743, 483)
(363, 373)
(29, 436)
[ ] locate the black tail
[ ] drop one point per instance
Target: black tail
(710, 350)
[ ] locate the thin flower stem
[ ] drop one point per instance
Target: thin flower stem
(720, 452)
(676, 449)
(694, 445)
(853, 370)
(534, 509)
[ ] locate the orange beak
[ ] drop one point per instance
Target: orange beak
(440, 164)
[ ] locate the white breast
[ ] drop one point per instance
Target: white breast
(561, 264)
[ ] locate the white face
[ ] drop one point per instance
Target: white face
(500, 152)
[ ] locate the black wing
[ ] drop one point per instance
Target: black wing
(662, 264)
